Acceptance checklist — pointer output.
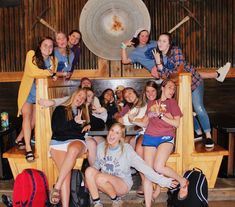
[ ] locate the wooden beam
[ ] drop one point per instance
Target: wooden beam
(100, 74)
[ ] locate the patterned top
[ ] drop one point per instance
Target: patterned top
(176, 58)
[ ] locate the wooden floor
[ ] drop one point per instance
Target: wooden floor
(223, 195)
(211, 204)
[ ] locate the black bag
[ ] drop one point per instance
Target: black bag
(7, 200)
(197, 191)
(79, 195)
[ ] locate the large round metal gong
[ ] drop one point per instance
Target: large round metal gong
(104, 24)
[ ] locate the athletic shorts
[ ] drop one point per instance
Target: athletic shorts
(155, 141)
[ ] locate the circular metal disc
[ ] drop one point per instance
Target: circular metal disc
(104, 24)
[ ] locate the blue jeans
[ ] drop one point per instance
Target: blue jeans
(197, 99)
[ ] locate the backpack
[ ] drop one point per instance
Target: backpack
(31, 189)
(79, 195)
(197, 191)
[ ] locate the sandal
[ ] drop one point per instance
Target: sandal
(140, 192)
(183, 193)
(54, 196)
(20, 144)
(29, 156)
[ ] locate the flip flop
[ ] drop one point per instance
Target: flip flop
(140, 194)
(29, 156)
(54, 196)
(20, 144)
(183, 193)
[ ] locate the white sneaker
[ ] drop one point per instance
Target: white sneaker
(117, 203)
(197, 137)
(223, 71)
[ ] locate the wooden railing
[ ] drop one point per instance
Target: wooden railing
(103, 72)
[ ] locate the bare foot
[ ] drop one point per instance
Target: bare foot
(183, 193)
(156, 191)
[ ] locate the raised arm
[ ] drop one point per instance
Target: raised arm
(124, 55)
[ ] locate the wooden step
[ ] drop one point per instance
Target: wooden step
(201, 150)
(224, 190)
(18, 163)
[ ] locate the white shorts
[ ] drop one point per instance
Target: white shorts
(63, 145)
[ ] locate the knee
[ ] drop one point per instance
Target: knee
(73, 151)
(26, 114)
(100, 179)
(91, 144)
(199, 109)
(89, 173)
(159, 168)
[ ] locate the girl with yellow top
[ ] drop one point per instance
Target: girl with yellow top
(38, 64)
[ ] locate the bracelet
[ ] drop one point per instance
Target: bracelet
(160, 115)
(53, 75)
(159, 63)
(123, 45)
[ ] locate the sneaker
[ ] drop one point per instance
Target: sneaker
(98, 205)
(117, 203)
(209, 143)
(197, 137)
(223, 71)
(133, 171)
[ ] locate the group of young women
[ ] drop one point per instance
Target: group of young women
(111, 171)
(111, 162)
(163, 59)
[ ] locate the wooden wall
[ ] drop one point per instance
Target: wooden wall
(208, 46)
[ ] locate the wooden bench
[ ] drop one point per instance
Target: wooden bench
(43, 134)
(185, 157)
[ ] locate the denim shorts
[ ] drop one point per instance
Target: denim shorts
(31, 99)
(155, 141)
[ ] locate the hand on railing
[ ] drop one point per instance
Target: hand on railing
(46, 103)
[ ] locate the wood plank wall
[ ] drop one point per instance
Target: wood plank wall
(218, 98)
(209, 46)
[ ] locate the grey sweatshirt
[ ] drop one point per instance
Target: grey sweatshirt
(119, 163)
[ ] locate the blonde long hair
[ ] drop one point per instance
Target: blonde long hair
(123, 129)
(68, 104)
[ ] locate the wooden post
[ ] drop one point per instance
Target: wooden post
(43, 132)
(195, 155)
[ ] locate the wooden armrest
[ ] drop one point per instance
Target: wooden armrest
(200, 149)
(14, 152)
